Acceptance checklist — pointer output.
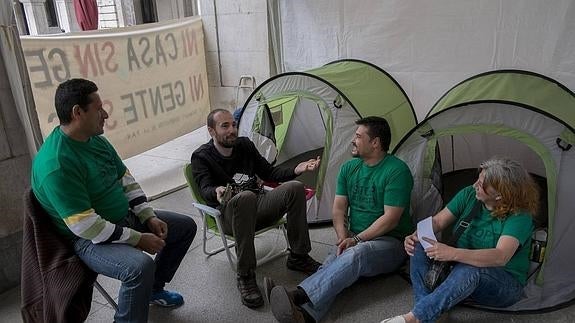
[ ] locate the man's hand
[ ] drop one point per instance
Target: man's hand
(341, 236)
(346, 243)
(409, 243)
(219, 193)
(307, 166)
(150, 243)
(158, 227)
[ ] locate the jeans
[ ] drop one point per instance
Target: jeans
(138, 272)
(489, 286)
(370, 258)
(248, 212)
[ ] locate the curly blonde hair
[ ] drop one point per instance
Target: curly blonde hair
(516, 187)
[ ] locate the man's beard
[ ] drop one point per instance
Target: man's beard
(228, 143)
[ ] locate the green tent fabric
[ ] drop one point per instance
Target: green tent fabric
(372, 92)
(519, 114)
(295, 116)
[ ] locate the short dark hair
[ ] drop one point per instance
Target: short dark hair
(72, 92)
(377, 127)
(210, 121)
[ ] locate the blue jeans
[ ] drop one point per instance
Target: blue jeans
(370, 258)
(138, 272)
(489, 286)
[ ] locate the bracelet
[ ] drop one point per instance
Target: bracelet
(357, 239)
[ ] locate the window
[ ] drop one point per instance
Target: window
(51, 13)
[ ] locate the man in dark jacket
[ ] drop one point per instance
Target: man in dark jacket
(227, 159)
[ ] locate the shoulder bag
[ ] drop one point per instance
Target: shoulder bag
(439, 270)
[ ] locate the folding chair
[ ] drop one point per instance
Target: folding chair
(212, 219)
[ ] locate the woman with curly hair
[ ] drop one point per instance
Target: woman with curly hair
(491, 257)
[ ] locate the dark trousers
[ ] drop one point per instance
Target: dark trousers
(248, 212)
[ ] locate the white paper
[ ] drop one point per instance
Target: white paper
(425, 229)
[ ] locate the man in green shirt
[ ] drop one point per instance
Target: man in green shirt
(94, 201)
(373, 193)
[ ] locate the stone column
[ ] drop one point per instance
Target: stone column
(15, 174)
(67, 15)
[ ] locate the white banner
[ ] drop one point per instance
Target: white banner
(152, 79)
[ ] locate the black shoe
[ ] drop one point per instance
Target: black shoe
(285, 310)
(268, 286)
(251, 295)
(303, 263)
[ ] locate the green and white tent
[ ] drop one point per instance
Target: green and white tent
(295, 116)
(518, 114)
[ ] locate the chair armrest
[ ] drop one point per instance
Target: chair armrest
(207, 209)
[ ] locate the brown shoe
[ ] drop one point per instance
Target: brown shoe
(303, 263)
(250, 292)
(283, 307)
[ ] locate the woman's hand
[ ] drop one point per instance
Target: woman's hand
(409, 243)
(439, 251)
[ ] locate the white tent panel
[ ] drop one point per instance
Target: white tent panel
(306, 130)
(429, 46)
(340, 151)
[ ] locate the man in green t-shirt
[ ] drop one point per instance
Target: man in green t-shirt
(94, 201)
(373, 193)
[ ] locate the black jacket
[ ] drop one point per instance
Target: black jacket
(210, 169)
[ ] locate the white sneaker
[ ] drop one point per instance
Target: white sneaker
(396, 319)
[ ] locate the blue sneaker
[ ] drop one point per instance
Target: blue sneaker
(165, 298)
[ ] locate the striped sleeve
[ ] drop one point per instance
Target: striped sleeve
(136, 198)
(89, 225)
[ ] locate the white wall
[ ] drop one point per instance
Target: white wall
(243, 47)
(429, 46)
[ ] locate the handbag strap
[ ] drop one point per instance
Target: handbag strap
(464, 223)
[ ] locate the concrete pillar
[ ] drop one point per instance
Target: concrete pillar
(67, 15)
(15, 173)
(236, 40)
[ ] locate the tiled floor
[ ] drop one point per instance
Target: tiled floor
(208, 284)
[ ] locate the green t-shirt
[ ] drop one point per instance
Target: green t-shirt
(69, 177)
(369, 188)
(485, 230)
